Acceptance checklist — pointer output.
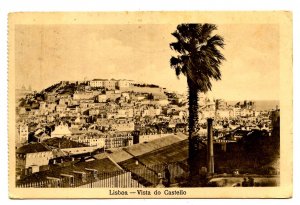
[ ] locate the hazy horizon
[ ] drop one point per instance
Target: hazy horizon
(48, 54)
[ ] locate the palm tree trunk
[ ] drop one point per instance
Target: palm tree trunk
(193, 160)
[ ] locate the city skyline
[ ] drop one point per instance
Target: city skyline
(48, 54)
(107, 111)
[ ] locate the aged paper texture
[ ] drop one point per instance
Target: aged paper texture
(150, 105)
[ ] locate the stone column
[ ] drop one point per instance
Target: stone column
(210, 147)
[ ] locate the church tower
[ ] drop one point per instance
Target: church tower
(23, 133)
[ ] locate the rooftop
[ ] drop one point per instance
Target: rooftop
(32, 148)
(104, 165)
(152, 147)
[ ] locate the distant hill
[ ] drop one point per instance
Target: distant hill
(64, 88)
(52, 88)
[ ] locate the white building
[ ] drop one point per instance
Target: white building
(83, 95)
(23, 134)
(123, 126)
(90, 141)
(102, 98)
(96, 83)
(223, 113)
(124, 84)
(60, 108)
(110, 84)
(61, 130)
(236, 112)
(247, 113)
(151, 111)
(43, 106)
(78, 150)
(38, 158)
(163, 102)
(125, 113)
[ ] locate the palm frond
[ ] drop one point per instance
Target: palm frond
(205, 31)
(177, 46)
(178, 71)
(216, 40)
(174, 61)
(177, 35)
(200, 57)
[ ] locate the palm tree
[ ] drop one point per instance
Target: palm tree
(199, 60)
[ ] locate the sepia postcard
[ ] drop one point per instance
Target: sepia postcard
(150, 105)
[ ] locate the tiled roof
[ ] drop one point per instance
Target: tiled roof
(62, 143)
(140, 149)
(102, 166)
(32, 148)
(174, 152)
(119, 156)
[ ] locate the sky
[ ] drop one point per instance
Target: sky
(47, 54)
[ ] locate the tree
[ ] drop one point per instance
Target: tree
(199, 60)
